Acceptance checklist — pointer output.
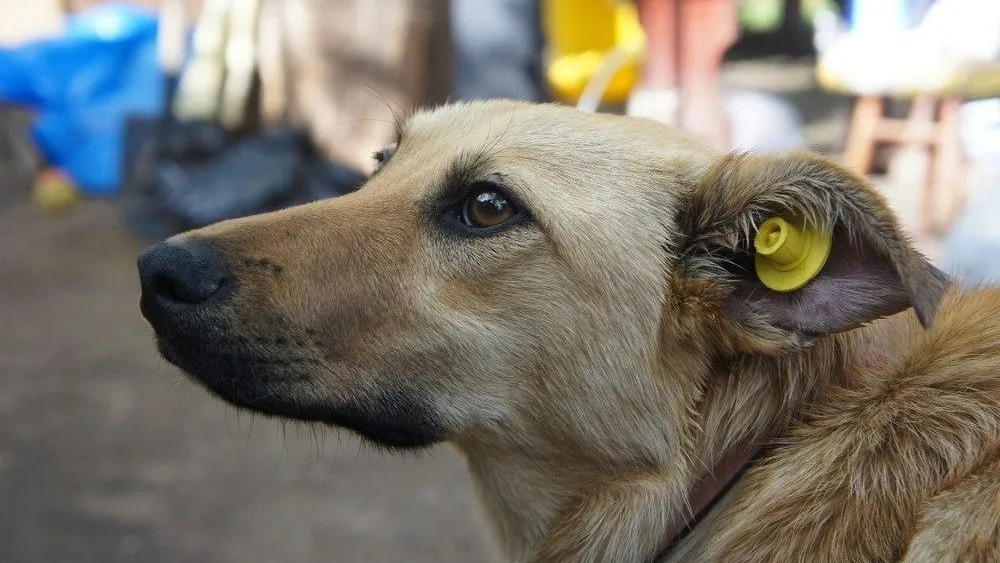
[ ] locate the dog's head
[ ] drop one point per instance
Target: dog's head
(522, 274)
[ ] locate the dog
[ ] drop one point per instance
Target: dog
(572, 300)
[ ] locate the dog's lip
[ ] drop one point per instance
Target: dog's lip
(148, 311)
(254, 389)
(171, 352)
(166, 350)
(209, 357)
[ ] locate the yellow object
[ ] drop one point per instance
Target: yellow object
(789, 257)
(54, 193)
(582, 36)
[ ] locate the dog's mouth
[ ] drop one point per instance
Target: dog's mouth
(252, 373)
(287, 377)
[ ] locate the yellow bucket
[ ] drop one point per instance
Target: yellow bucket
(585, 36)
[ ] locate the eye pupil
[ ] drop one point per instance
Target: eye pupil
(486, 209)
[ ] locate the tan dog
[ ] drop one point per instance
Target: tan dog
(571, 300)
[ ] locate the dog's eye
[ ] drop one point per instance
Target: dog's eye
(382, 156)
(486, 207)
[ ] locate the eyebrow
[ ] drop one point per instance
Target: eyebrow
(398, 124)
(467, 168)
(399, 120)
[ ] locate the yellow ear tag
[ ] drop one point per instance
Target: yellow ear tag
(789, 257)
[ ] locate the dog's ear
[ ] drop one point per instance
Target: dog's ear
(871, 270)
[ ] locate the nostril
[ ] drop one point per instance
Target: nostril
(181, 273)
(162, 284)
(184, 290)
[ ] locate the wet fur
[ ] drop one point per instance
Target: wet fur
(593, 362)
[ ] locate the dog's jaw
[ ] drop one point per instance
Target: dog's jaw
(286, 385)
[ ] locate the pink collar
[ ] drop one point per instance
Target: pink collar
(715, 483)
(711, 487)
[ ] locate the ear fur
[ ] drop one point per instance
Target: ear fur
(873, 269)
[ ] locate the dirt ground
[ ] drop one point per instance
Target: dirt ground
(107, 456)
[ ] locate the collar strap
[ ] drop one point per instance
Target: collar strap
(712, 486)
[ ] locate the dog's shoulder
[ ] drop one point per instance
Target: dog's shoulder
(881, 462)
(962, 522)
(961, 346)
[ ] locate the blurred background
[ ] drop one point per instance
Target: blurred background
(123, 123)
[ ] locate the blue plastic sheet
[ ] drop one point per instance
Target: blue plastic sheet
(84, 84)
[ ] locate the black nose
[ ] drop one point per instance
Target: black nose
(180, 274)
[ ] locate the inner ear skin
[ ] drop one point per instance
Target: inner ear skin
(857, 285)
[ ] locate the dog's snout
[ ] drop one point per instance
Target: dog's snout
(180, 274)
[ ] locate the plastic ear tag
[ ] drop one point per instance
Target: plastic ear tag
(789, 257)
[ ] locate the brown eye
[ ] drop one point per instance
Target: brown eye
(487, 208)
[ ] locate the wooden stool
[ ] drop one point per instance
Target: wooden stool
(933, 122)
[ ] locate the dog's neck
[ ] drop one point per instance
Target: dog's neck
(520, 496)
(525, 494)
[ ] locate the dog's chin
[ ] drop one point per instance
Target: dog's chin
(392, 418)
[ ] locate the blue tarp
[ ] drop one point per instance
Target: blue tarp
(84, 84)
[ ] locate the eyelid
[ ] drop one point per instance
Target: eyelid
(500, 184)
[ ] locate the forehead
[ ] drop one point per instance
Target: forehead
(523, 128)
(548, 151)
(492, 120)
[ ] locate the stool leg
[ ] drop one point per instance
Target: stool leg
(860, 149)
(919, 121)
(949, 177)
